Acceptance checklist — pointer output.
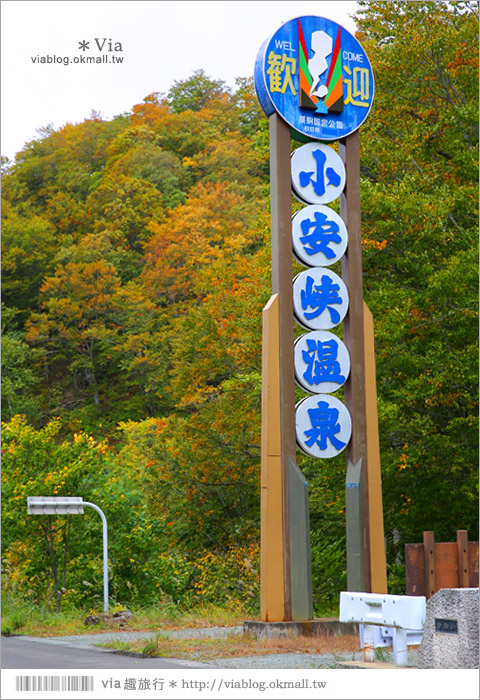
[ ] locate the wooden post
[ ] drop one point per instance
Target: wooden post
(378, 560)
(429, 555)
(282, 274)
(462, 551)
(272, 598)
(353, 327)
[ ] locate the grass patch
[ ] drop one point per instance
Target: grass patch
(163, 619)
(40, 621)
(235, 645)
(177, 618)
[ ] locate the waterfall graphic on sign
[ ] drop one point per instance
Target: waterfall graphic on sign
(313, 94)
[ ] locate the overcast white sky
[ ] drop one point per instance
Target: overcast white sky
(162, 41)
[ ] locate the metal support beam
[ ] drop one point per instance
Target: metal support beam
(355, 531)
(300, 552)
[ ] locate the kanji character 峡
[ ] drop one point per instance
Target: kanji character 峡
(320, 297)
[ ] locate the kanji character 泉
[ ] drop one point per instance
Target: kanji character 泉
(325, 426)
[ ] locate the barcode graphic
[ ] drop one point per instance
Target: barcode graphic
(60, 683)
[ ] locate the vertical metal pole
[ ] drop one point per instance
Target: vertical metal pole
(369, 642)
(105, 554)
(400, 648)
(282, 273)
(353, 325)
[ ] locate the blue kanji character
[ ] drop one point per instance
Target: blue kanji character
(325, 426)
(321, 297)
(327, 367)
(319, 187)
(325, 232)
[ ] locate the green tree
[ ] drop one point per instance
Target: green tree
(195, 92)
(419, 194)
(20, 375)
(124, 206)
(28, 249)
(135, 153)
(39, 552)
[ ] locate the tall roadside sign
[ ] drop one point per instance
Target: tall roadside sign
(315, 83)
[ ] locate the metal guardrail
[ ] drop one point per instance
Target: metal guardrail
(385, 620)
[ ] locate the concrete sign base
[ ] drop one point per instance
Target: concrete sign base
(450, 633)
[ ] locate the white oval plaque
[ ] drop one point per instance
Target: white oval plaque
(318, 174)
(319, 236)
(322, 362)
(323, 426)
(320, 299)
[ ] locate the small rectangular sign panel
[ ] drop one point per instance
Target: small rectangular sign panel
(449, 626)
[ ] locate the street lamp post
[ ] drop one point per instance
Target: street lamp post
(72, 505)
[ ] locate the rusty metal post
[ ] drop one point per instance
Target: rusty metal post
(462, 554)
(429, 558)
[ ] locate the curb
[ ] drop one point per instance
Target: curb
(372, 665)
(321, 626)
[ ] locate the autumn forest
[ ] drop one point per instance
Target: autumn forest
(135, 267)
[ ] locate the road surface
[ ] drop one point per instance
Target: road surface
(18, 652)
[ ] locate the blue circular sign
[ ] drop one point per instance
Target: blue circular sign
(317, 77)
(319, 236)
(322, 362)
(320, 299)
(323, 426)
(318, 173)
